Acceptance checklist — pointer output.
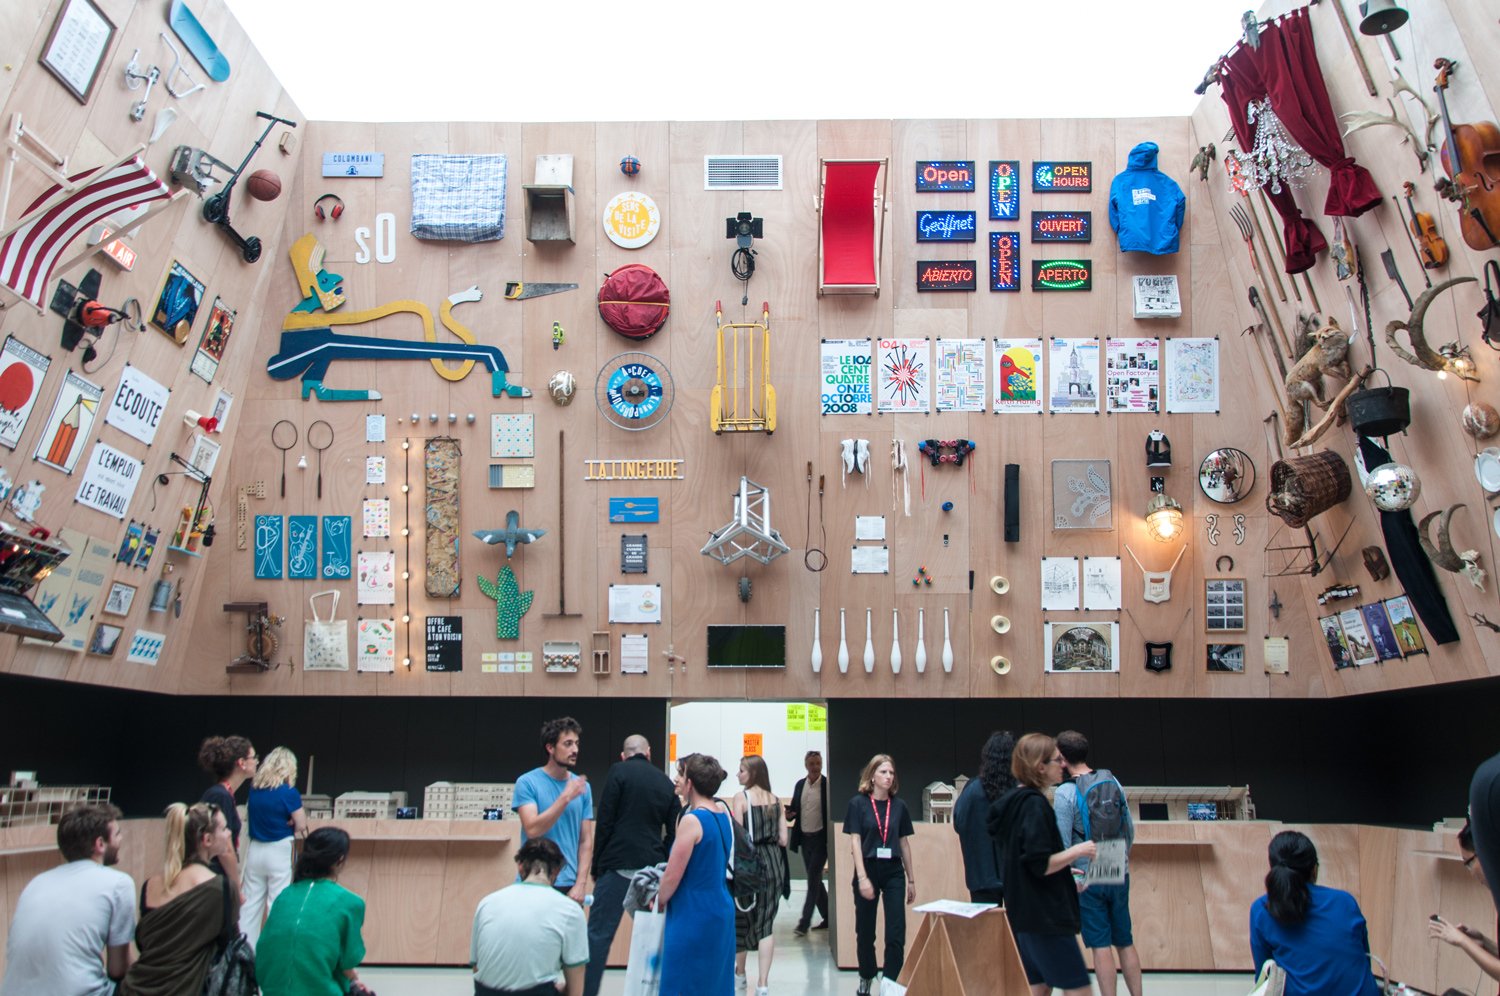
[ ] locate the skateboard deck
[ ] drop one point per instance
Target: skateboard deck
(199, 42)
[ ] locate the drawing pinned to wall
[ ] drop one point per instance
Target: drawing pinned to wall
(1081, 646)
(1226, 657)
(374, 428)
(22, 370)
(121, 597)
(214, 340)
(1073, 366)
(903, 372)
(1018, 373)
(960, 375)
(1357, 638)
(375, 513)
(377, 577)
(301, 547)
(1404, 623)
(268, 536)
(1101, 584)
(1060, 588)
(1192, 376)
(338, 531)
(1081, 495)
(846, 387)
(1333, 635)
(146, 647)
(70, 423)
(375, 642)
(1382, 636)
(1131, 375)
(177, 303)
(375, 470)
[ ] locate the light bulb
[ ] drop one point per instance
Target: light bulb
(1442, 375)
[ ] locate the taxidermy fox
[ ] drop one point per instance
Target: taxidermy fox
(1328, 356)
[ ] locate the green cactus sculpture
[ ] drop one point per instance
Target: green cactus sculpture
(510, 602)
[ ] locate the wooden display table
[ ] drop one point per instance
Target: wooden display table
(954, 955)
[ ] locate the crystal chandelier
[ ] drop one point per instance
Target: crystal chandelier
(1275, 157)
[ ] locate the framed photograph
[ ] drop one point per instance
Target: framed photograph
(1082, 646)
(177, 303)
(106, 640)
(75, 48)
(121, 596)
(1224, 605)
(1226, 657)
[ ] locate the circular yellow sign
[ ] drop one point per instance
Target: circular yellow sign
(631, 219)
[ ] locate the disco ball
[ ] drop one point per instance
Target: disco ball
(1393, 487)
(562, 386)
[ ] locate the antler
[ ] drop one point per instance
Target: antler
(1423, 355)
(1360, 120)
(1399, 87)
(1443, 555)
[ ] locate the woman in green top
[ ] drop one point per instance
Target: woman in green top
(311, 943)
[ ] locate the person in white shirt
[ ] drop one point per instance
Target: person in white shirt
(529, 939)
(69, 916)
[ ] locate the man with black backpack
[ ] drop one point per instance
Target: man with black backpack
(1091, 805)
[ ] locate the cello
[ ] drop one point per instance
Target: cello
(1471, 156)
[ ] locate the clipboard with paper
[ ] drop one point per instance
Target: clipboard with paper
(1108, 865)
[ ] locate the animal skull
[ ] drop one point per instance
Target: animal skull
(1443, 555)
(1421, 354)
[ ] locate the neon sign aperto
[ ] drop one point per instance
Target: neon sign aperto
(1062, 274)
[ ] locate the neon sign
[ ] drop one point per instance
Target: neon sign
(946, 275)
(1062, 177)
(943, 176)
(946, 226)
(1062, 274)
(1005, 261)
(1005, 189)
(1062, 226)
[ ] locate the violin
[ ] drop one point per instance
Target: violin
(1431, 247)
(1471, 157)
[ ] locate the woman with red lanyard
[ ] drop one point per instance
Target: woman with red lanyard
(880, 830)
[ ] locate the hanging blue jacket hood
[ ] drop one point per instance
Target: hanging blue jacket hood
(1145, 205)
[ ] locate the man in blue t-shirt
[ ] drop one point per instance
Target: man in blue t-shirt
(555, 803)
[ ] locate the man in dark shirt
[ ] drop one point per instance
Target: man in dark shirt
(637, 821)
(808, 815)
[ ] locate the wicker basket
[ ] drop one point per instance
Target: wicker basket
(1303, 486)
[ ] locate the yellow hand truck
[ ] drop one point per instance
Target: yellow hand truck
(738, 339)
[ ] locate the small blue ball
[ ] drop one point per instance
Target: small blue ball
(630, 165)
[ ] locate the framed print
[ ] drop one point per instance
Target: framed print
(75, 48)
(1081, 495)
(177, 303)
(1082, 646)
(1226, 657)
(213, 341)
(105, 641)
(1224, 605)
(22, 370)
(119, 599)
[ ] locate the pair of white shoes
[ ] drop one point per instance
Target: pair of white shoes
(856, 455)
(741, 983)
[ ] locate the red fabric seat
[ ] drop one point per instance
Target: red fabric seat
(849, 256)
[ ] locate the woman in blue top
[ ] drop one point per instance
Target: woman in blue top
(275, 817)
(698, 949)
(1316, 935)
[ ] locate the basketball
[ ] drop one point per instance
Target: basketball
(630, 166)
(264, 185)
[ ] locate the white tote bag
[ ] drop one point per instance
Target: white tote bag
(325, 642)
(648, 932)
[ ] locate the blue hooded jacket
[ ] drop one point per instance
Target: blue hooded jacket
(1145, 205)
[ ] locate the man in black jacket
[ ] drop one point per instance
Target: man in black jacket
(637, 821)
(808, 815)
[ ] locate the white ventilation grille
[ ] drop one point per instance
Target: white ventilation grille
(741, 172)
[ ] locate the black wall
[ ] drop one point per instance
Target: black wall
(1402, 758)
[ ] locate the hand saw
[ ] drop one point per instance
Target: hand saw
(515, 290)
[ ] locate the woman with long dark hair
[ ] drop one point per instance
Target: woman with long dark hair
(981, 851)
(1315, 934)
(311, 943)
(879, 829)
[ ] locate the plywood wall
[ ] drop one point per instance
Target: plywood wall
(693, 258)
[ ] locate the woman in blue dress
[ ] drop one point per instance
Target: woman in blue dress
(698, 949)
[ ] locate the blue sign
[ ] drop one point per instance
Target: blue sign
(1005, 190)
(946, 226)
(1062, 177)
(354, 164)
(1005, 261)
(1062, 226)
(941, 177)
(634, 510)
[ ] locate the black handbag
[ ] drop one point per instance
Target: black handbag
(1489, 314)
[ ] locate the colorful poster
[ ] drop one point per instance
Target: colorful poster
(268, 535)
(903, 373)
(960, 375)
(846, 386)
(1333, 635)
(22, 370)
(1073, 365)
(1018, 373)
(375, 470)
(146, 647)
(109, 481)
(375, 514)
(375, 643)
(1357, 638)
(301, 547)
(1131, 375)
(1381, 633)
(377, 577)
(69, 425)
(214, 341)
(336, 545)
(1192, 375)
(1404, 624)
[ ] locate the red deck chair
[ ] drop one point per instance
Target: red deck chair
(851, 222)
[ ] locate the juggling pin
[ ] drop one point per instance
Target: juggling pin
(843, 646)
(947, 645)
(895, 642)
(869, 643)
(817, 653)
(921, 642)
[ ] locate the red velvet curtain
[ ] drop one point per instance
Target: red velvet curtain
(1285, 68)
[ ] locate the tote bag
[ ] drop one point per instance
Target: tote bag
(325, 642)
(648, 932)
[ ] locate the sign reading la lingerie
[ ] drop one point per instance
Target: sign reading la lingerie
(1062, 226)
(946, 275)
(1051, 177)
(944, 176)
(946, 226)
(1062, 274)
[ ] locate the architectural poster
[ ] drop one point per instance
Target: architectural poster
(1060, 589)
(1101, 584)
(1082, 646)
(1073, 366)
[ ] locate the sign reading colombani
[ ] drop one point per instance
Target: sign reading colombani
(1005, 261)
(1061, 177)
(1062, 274)
(946, 226)
(942, 177)
(1005, 189)
(946, 275)
(1062, 226)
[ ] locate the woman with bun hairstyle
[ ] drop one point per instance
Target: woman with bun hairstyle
(187, 911)
(1315, 934)
(879, 829)
(311, 943)
(274, 817)
(232, 762)
(698, 947)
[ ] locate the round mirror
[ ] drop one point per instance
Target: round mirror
(1227, 475)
